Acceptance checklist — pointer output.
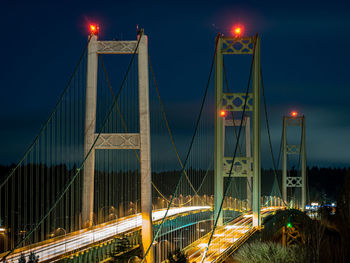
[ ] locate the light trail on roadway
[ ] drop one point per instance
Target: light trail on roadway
(84, 238)
(224, 237)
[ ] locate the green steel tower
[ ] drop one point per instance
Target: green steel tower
(294, 149)
(228, 102)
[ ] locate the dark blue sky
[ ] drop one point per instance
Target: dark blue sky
(304, 58)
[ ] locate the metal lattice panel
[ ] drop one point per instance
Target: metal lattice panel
(294, 182)
(118, 141)
(241, 168)
(230, 123)
(293, 149)
(294, 121)
(241, 45)
(116, 47)
(236, 101)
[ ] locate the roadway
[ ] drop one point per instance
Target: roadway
(81, 239)
(224, 238)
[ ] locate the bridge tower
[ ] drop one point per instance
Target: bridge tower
(121, 141)
(294, 149)
(228, 102)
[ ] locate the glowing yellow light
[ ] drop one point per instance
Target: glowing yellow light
(294, 114)
(223, 113)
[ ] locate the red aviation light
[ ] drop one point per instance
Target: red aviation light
(223, 113)
(237, 31)
(94, 29)
(294, 114)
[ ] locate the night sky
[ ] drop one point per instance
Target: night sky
(305, 60)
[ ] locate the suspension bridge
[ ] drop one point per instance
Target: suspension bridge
(104, 176)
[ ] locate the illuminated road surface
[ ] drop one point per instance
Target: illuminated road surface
(84, 238)
(224, 237)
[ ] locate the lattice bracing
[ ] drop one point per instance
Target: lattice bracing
(293, 149)
(294, 121)
(236, 101)
(118, 141)
(294, 182)
(237, 45)
(242, 166)
(116, 47)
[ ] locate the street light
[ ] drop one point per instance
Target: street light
(55, 233)
(110, 211)
(137, 259)
(3, 232)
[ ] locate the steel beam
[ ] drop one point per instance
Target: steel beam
(219, 151)
(118, 141)
(303, 165)
(248, 153)
(90, 126)
(256, 136)
(145, 151)
(284, 160)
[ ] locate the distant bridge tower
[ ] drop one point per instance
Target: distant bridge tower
(296, 149)
(121, 141)
(228, 102)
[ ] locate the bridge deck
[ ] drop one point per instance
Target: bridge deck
(49, 250)
(226, 237)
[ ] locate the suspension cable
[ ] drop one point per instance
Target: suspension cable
(188, 152)
(269, 135)
(50, 116)
(169, 129)
(70, 182)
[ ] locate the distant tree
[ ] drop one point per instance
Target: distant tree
(22, 259)
(269, 252)
(33, 258)
(177, 256)
(343, 215)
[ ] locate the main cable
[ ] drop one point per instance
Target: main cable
(169, 129)
(269, 135)
(50, 116)
(60, 195)
(188, 153)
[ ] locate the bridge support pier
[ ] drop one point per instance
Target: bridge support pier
(256, 136)
(294, 149)
(90, 127)
(141, 139)
(219, 140)
(237, 102)
(145, 149)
